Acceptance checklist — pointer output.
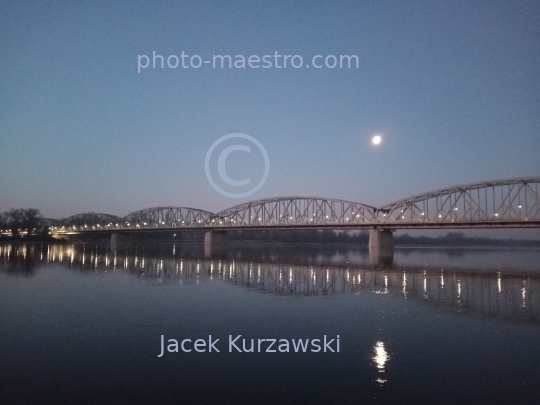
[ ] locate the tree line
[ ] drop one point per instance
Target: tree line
(20, 220)
(299, 236)
(362, 238)
(459, 239)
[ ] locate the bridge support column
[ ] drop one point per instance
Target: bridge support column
(381, 247)
(215, 243)
(118, 239)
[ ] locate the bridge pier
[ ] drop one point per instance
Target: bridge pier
(118, 239)
(215, 243)
(381, 247)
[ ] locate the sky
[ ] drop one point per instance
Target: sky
(451, 87)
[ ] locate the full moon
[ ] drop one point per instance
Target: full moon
(376, 140)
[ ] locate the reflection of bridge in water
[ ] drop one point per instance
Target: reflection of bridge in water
(499, 295)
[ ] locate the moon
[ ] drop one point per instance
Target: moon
(376, 140)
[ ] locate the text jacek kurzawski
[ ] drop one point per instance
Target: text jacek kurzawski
(238, 344)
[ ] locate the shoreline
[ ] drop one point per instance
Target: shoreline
(498, 243)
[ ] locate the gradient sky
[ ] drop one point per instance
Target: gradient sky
(453, 87)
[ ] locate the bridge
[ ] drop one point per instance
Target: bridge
(510, 203)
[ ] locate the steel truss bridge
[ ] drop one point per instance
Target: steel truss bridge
(510, 203)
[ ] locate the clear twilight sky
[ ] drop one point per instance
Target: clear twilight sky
(452, 87)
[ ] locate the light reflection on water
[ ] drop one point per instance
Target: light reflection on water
(502, 294)
(380, 359)
(325, 287)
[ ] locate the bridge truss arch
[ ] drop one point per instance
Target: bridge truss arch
(295, 212)
(87, 221)
(510, 202)
(166, 217)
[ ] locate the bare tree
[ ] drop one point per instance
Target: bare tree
(3, 221)
(19, 220)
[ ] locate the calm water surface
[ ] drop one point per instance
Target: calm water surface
(83, 324)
